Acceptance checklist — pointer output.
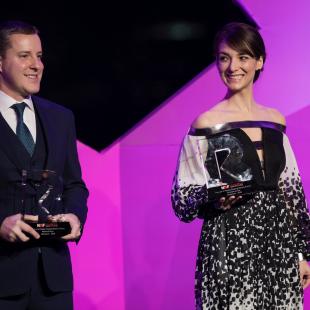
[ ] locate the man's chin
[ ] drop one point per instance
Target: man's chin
(31, 91)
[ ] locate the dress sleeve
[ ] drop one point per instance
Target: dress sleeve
(291, 189)
(189, 191)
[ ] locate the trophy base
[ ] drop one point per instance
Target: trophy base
(246, 188)
(51, 230)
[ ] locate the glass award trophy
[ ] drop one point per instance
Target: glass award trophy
(44, 184)
(225, 170)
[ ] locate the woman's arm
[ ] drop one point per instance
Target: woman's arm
(189, 191)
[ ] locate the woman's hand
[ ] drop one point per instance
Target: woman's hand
(304, 271)
(228, 202)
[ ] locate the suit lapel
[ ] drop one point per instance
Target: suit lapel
(48, 130)
(11, 145)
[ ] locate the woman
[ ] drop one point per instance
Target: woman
(253, 248)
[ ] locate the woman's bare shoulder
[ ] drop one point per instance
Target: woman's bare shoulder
(276, 116)
(209, 118)
(270, 114)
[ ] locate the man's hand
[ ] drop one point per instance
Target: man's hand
(74, 223)
(304, 271)
(14, 227)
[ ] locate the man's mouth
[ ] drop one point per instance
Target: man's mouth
(32, 76)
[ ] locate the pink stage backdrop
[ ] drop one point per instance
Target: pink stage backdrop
(135, 254)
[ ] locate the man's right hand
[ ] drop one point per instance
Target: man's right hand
(14, 227)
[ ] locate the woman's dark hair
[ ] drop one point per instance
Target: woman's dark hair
(7, 28)
(243, 38)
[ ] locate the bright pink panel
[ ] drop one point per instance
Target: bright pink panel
(98, 258)
(159, 251)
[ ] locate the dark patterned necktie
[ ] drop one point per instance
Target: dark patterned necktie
(22, 130)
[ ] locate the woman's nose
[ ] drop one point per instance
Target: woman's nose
(234, 65)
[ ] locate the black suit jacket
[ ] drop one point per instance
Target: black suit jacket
(18, 260)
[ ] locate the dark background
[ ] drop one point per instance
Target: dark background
(113, 63)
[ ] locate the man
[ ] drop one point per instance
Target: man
(34, 134)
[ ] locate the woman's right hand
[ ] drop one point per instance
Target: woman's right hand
(225, 203)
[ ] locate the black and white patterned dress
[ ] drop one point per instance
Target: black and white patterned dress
(247, 256)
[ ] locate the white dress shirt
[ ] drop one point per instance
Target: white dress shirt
(10, 116)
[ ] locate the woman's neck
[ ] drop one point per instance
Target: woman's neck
(241, 101)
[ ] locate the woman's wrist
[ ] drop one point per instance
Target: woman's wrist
(301, 257)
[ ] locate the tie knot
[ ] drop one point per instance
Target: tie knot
(19, 108)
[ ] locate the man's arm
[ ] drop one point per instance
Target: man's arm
(75, 192)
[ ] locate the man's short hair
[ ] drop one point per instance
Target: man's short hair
(9, 27)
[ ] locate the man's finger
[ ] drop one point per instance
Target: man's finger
(22, 237)
(57, 218)
(30, 218)
(68, 237)
(75, 233)
(28, 229)
(17, 234)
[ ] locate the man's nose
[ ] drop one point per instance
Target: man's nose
(36, 63)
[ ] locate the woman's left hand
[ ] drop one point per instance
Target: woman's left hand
(304, 270)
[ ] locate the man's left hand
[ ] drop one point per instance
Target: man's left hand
(74, 223)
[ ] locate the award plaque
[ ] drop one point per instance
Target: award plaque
(225, 170)
(44, 183)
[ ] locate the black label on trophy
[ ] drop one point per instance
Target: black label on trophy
(51, 230)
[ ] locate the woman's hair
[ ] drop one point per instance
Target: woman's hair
(243, 38)
(9, 27)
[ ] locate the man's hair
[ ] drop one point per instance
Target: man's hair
(9, 27)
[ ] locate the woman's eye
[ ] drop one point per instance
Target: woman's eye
(223, 58)
(244, 57)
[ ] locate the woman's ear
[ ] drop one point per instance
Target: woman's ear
(260, 63)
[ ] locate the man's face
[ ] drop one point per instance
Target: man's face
(21, 67)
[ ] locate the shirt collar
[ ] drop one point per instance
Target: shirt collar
(6, 102)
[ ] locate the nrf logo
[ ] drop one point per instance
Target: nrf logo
(225, 186)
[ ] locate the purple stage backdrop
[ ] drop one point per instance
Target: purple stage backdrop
(135, 254)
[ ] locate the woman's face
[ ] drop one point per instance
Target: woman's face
(236, 70)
